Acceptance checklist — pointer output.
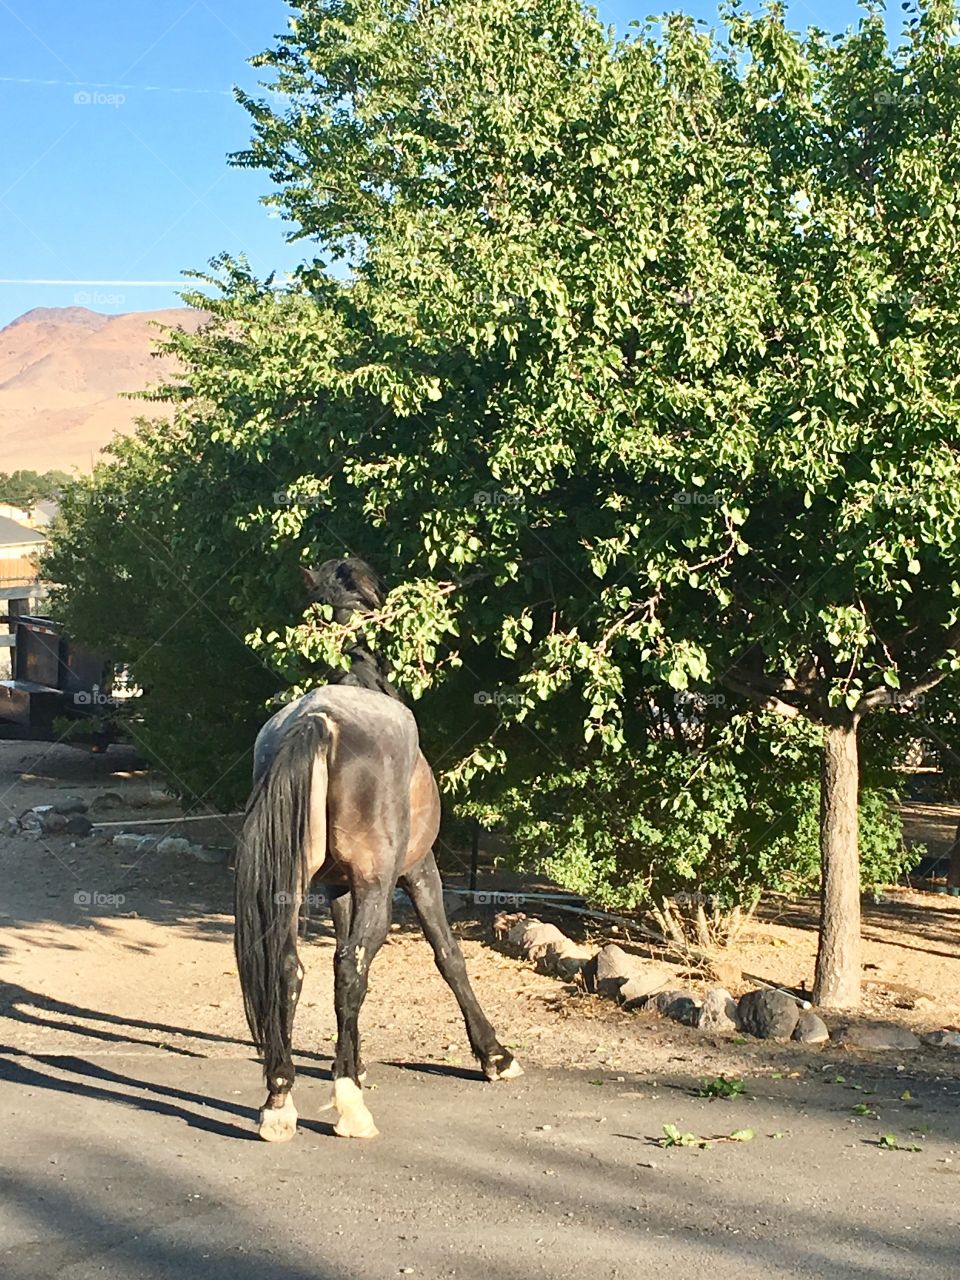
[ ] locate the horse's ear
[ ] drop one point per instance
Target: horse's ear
(311, 578)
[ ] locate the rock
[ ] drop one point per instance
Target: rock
(71, 804)
(175, 845)
(810, 1028)
(942, 1039)
(53, 822)
(645, 982)
(683, 1008)
(678, 1005)
(504, 921)
(30, 821)
(876, 1035)
(105, 802)
(718, 1011)
(536, 937)
(214, 857)
(515, 933)
(611, 969)
(660, 1002)
(78, 824)
(131, 841)
(566, 958)
(769, 1015)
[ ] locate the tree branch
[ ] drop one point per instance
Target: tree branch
(887, 697)
(768, 700)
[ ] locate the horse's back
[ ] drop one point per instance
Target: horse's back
(366, 727)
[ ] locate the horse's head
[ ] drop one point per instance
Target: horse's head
(346, 585)
(349, 586)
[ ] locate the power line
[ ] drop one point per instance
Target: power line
(93, 84)
(127, 284)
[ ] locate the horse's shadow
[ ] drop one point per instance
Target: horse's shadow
(93, 1080)
(42, 1071)
(445, 1069)
(24, 1070)
(18, 1004)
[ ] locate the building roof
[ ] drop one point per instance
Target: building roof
(13, 534)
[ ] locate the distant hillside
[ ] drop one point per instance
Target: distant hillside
(62, 372)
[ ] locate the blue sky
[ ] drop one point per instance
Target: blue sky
(116, 123)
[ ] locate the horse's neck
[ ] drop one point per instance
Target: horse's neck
(367, 672)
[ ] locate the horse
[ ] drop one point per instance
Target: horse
(342, 794)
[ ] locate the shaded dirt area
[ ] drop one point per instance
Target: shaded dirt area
(100, 945)
(129, 1095)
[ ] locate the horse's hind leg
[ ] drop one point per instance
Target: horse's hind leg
(426, 892)
(341, 909)
(278, 1119)
(352, 959)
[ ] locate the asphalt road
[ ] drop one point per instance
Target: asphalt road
(134, 1166)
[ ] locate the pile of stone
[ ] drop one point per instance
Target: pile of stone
(134, 842)
(651, 986)
(70, 817)
(63, 817)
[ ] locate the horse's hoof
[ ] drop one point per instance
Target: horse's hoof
(354, 1126)
(511, 1071)
(355, 1119)
(278, 1124)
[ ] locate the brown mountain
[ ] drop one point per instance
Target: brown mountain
(62, 374)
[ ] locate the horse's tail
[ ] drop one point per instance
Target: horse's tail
(277, 845)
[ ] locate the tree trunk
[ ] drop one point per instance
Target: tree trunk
(953, 870)
(837, 983)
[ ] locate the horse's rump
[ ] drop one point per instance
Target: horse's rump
(381, 796)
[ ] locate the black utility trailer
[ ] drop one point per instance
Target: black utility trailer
(54, 678)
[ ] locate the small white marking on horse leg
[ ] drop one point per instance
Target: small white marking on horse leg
(355, 1118)
(278, 1124)
(511, 1072)
(493, 1072)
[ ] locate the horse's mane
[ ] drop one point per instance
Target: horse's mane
(349, 585)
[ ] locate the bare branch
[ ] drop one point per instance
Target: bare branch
(768, 700)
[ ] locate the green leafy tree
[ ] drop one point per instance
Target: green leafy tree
(146, 561)
(640, 369)
(24, 488)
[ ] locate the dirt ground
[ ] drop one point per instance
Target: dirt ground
(136, 950)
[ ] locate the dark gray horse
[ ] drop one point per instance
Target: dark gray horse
(342, 795)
